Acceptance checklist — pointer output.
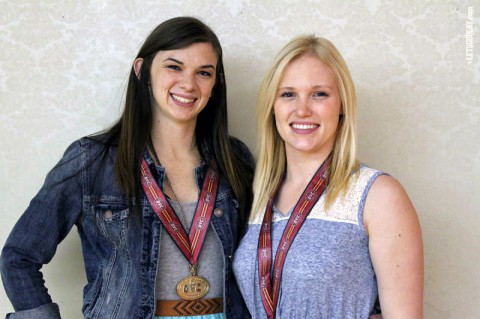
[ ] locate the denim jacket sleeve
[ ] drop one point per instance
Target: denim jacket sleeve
(34, 239)
(242, 151)
(47, 311)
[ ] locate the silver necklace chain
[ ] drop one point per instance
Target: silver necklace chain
(182, 211)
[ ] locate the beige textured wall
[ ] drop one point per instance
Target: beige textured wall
(64, 64)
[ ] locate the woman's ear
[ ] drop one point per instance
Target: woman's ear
(137, 65)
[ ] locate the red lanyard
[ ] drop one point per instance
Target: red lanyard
(309, 197)
(190, 245)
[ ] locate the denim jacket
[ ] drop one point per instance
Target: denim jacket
(120, 249)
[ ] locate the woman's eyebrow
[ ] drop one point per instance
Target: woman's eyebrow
(206, 66)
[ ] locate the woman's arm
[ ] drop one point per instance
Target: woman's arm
(34, 239)
(395, 244)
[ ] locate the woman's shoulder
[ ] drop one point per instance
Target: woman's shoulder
(86, 149)
(387, 200)
(241, 151)
(363, 177)
(360, 184)
(364, 169)
(381, 180)
(238, 145)
(387, 189)
(82, 145)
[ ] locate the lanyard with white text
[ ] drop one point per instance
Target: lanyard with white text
(270, 287)
(190, 245)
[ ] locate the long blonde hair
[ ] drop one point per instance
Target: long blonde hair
(271, 163)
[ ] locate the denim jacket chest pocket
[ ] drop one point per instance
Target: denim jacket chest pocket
(113, 222)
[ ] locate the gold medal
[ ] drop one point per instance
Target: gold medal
(192, 287)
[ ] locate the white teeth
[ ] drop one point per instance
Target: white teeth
(304, 126)
(181, 99)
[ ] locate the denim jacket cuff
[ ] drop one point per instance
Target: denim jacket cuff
(47, 311)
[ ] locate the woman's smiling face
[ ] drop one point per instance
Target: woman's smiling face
(181, 82)
(308, 106)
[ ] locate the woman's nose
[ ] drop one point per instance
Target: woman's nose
(304, 107)
(188, 81)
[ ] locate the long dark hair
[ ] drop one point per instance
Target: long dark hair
(132, 131)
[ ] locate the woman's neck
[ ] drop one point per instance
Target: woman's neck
(174, 142)
(302, 166)
(175, 149)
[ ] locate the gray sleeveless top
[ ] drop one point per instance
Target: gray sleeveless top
(328, 272)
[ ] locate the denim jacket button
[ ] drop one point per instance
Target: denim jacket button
(218, 212)
(108, 214)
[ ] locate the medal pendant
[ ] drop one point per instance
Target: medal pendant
(192, 287)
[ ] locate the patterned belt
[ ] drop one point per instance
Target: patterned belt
(189, 307)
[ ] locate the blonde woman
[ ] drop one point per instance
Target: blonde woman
(327, 236)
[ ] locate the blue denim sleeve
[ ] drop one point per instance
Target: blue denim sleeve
(241, 150)
(34, 239)
(48, 311)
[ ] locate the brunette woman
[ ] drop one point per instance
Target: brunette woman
(158, 200)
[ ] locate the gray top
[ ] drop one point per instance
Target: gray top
(328, 272)
(173, 266)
